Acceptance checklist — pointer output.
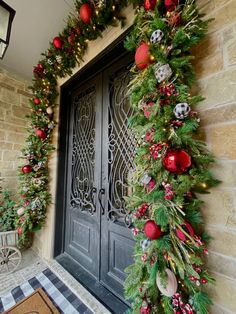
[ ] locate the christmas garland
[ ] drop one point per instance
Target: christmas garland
(171, 162)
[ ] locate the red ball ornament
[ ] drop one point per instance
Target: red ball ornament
(187, 228)
(152, 230)
(177, 161)
(26, 169)
(57, 42)
(37, 101)
(149, 4)
(41, 134)
(86, 13)
(171, 5)
(142, 56)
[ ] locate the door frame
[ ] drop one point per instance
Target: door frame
(103, 60)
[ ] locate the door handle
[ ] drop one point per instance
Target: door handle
(93, 191)
(100, 193)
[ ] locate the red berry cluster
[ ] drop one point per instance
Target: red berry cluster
(167, 91)
(169, 193)
(140, 212)
(155, 151)
(179, 306)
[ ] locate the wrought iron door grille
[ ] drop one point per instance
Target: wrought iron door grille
(83, 151)
(121, 147)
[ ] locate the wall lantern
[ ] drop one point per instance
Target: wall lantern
(6, 17)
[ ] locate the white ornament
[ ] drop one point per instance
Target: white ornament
(145, 244)
(20, 211)
(162, 72)
(171, 287)
(145, 179)
(49, 110)
(181, 110)
(156, 36)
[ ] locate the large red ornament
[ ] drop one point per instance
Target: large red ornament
(171, 5)
(26, 169)
(142, 56)
(41, 134)
(152, 230)
(177, 161)
(86, 13)
(187, 228)
(149, 4)
(57, 43)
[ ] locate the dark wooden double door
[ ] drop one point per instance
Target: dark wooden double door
(100, 161)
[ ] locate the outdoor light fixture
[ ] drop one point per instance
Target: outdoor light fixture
(6, 17)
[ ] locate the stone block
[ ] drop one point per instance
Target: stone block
(20, 112)
(222, 139)
(221, 264)
(9, 97)
(12, 81)
(218, 89)
(24, 93)
(5, 146)
(10, 155)
(208, 56)
(2, 135)
(12, 127)
(218, 207)
(231, 53)
(6, 165)
(225, 171)
(224, 292)
(222, 17)
(15, 137)
(223, 240)
(16, 121)
(9, 87)
(219, 114)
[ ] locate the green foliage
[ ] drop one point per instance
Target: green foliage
(7, 212)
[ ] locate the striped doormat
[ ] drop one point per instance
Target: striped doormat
(61, 296)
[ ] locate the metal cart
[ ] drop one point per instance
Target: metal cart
(10, 255)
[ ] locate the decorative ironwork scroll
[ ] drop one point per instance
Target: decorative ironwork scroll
(121, 148)
(83, 151)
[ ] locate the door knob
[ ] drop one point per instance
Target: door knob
(100, 193)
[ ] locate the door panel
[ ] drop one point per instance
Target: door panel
(118, 153)
(84, 162)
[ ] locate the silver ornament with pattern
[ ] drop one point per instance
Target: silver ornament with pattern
(156, 36)
(181, 110)
(162, 71)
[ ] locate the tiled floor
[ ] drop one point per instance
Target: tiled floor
(32, 265)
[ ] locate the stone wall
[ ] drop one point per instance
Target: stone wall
(13, 108)
(216, 70)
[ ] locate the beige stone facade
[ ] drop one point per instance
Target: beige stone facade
(14, 106)
(216, 71)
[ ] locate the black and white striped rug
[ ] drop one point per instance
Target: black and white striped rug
(62, 297)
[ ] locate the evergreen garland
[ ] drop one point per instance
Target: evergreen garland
(168, 273)
(171, 161)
